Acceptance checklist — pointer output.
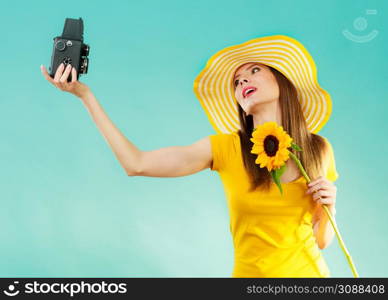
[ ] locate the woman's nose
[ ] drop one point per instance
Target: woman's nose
(243, 80)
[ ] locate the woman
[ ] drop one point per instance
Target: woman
(242, 87)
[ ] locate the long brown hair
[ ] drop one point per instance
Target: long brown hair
(294, 124)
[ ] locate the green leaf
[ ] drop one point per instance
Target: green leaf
(280, 171)
(276, 179)
(296, 147)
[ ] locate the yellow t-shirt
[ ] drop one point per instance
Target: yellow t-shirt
(272, 234)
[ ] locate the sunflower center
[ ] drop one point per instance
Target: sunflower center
(271, 145)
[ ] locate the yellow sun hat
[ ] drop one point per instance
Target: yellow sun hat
(215, 92)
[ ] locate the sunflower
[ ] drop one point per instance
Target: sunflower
(271, 143)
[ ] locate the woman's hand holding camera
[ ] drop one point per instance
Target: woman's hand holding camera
(74, 87)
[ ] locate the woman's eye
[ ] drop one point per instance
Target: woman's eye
(255, 68)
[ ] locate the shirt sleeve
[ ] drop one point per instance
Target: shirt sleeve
(223, 148)
(330, 167)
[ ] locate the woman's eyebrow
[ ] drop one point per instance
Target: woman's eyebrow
(254, 64)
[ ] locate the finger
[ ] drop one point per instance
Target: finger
(73, 75)
(322, 185)
(314, 188)
(65, 74)
(328, 200)
(58, 73)
(60, 85)
(315, 181)
(322, 194)
(46, 74)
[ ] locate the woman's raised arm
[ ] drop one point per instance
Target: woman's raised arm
(165, 162)
(176, 161)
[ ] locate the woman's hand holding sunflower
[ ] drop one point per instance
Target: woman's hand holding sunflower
(323, 191)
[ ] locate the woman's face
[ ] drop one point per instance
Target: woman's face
(254, 84)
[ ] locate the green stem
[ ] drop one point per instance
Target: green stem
(332, 221)
(293, 156)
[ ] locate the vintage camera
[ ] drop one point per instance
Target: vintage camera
(69, 48)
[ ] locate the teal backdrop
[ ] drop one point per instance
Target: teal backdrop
(68, 208)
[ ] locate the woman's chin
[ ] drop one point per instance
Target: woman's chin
(250, 103)
(254, 106)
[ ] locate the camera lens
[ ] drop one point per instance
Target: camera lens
(60, 45)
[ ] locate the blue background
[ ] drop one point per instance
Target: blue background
(68, 208)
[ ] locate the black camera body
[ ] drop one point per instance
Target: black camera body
(69, 48)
